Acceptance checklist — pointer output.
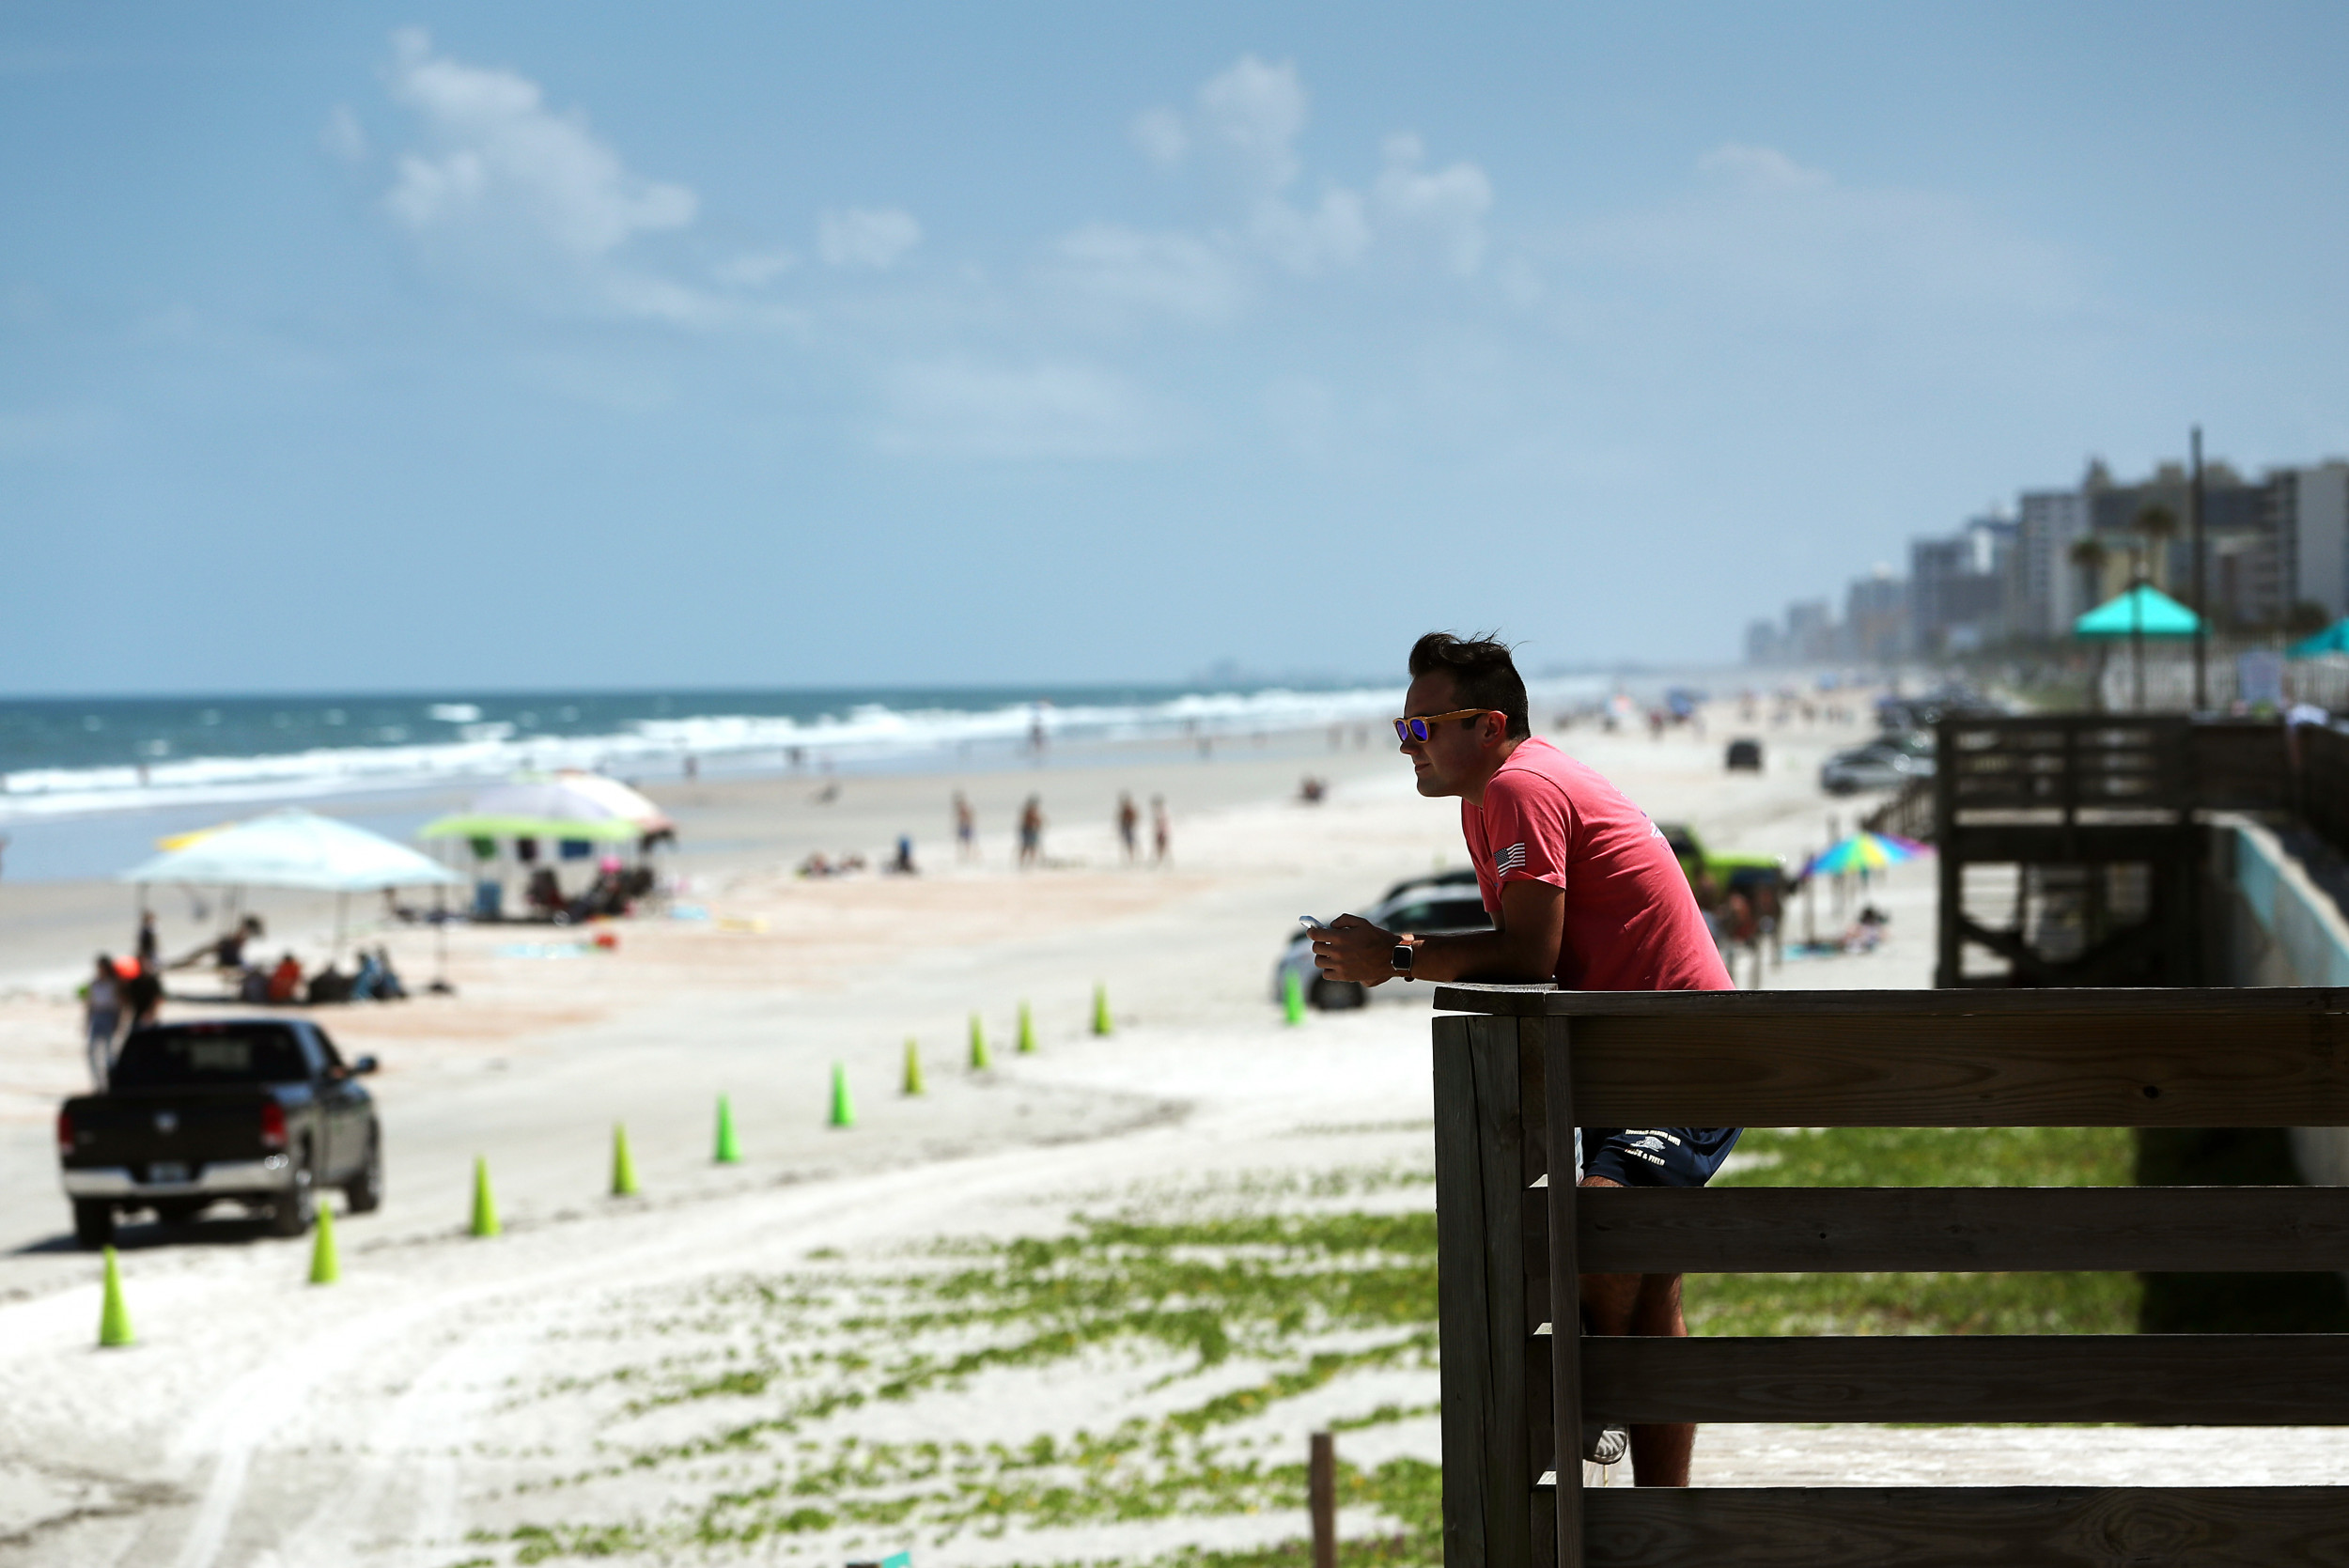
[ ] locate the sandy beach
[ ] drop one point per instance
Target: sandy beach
(665, 1375)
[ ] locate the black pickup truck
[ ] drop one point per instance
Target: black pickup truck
(261, 1112)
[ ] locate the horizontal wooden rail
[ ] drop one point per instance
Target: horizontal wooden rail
(1701, 1059)
(2152, 1379)
(1763, 1230)
(1967, 1526)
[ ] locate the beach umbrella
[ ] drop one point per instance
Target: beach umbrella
(1865, 852)
(2144, 611)
(294, 849)
(181, 840)
(2333, 639)
(565, 805)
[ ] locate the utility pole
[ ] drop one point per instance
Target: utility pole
(2202, 616)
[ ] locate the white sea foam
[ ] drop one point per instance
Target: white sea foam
(871, 734)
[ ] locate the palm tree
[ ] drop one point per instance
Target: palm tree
(2089, 555)
(2159, 526)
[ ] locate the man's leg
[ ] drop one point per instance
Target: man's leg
(1647, 1305)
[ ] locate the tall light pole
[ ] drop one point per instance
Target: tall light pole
(2202, 616)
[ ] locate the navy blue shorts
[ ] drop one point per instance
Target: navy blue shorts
(1655, 1156)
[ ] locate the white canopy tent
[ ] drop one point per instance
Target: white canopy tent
(296, 848)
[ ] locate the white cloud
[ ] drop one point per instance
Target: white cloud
(958, 409)
(1774, 244)
(1448, 205)
(509, 191)
(1254, 113)
(343, 137)
(1761, 169)
(1122, 270)
(1245, 125)
(1308, 240)
(1161, 135)
(501, 150)
(755, 270)
(866, 237)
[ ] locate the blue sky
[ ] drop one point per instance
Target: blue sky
(515, 345)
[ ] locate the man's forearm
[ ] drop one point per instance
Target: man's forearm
(1487, 955)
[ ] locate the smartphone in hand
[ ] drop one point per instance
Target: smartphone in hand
(1310, 924)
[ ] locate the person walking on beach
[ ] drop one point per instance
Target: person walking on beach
(1129, 823)
(1161, 830)
(101, 1015)
(149, 948)
(1032, 832)
(1582, 889)
(966, 829)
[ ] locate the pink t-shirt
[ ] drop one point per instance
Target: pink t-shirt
(1632, 923)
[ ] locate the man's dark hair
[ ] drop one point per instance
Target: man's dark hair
(1482, 674)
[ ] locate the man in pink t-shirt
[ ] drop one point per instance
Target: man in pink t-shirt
(1582, 888)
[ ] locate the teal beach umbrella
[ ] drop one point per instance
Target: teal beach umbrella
(2144, 611)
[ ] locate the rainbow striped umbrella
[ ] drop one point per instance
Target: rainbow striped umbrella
(1865, 852)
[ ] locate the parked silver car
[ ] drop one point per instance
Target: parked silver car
(1424, 906)
(1887, 762)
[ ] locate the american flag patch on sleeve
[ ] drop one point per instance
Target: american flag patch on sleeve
(1511, 858)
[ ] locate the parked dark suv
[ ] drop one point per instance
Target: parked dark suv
(258, 1112)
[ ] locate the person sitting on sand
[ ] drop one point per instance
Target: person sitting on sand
(284, 981)
(388, 985)
(1583, 889)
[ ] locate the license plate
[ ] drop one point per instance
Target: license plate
(162, 1176)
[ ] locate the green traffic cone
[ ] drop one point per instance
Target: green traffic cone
(1293, 997)
(913, 1066)
(1100, 1010)
(114, 1318)
(326, 1264)
(623, 1164)
(843, 1114)
(978, 1046)
(485, 1207)
(729, 1152)
(1027, 1030)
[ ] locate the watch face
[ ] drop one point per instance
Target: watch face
(1402, 960)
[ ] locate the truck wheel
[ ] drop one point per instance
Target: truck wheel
(296, 1208)
(93, 1222)
(365, 1190)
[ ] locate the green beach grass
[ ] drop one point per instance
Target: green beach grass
(1225, 1303)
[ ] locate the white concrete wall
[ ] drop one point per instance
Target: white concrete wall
(2294, 936)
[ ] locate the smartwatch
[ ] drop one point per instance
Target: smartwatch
(1402, 960)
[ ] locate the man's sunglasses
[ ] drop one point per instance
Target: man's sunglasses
(1416, 729)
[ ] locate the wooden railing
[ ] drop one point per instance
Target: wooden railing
(1518, 1067)
(1907, 814)
(2321, 768)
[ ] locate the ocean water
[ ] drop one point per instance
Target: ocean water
(76, 756)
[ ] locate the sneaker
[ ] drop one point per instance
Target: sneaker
(1606, 1446)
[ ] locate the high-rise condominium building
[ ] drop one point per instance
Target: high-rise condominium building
(2311, 516)
(2048, 596)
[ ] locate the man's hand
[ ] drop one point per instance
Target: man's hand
(1350, 948)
